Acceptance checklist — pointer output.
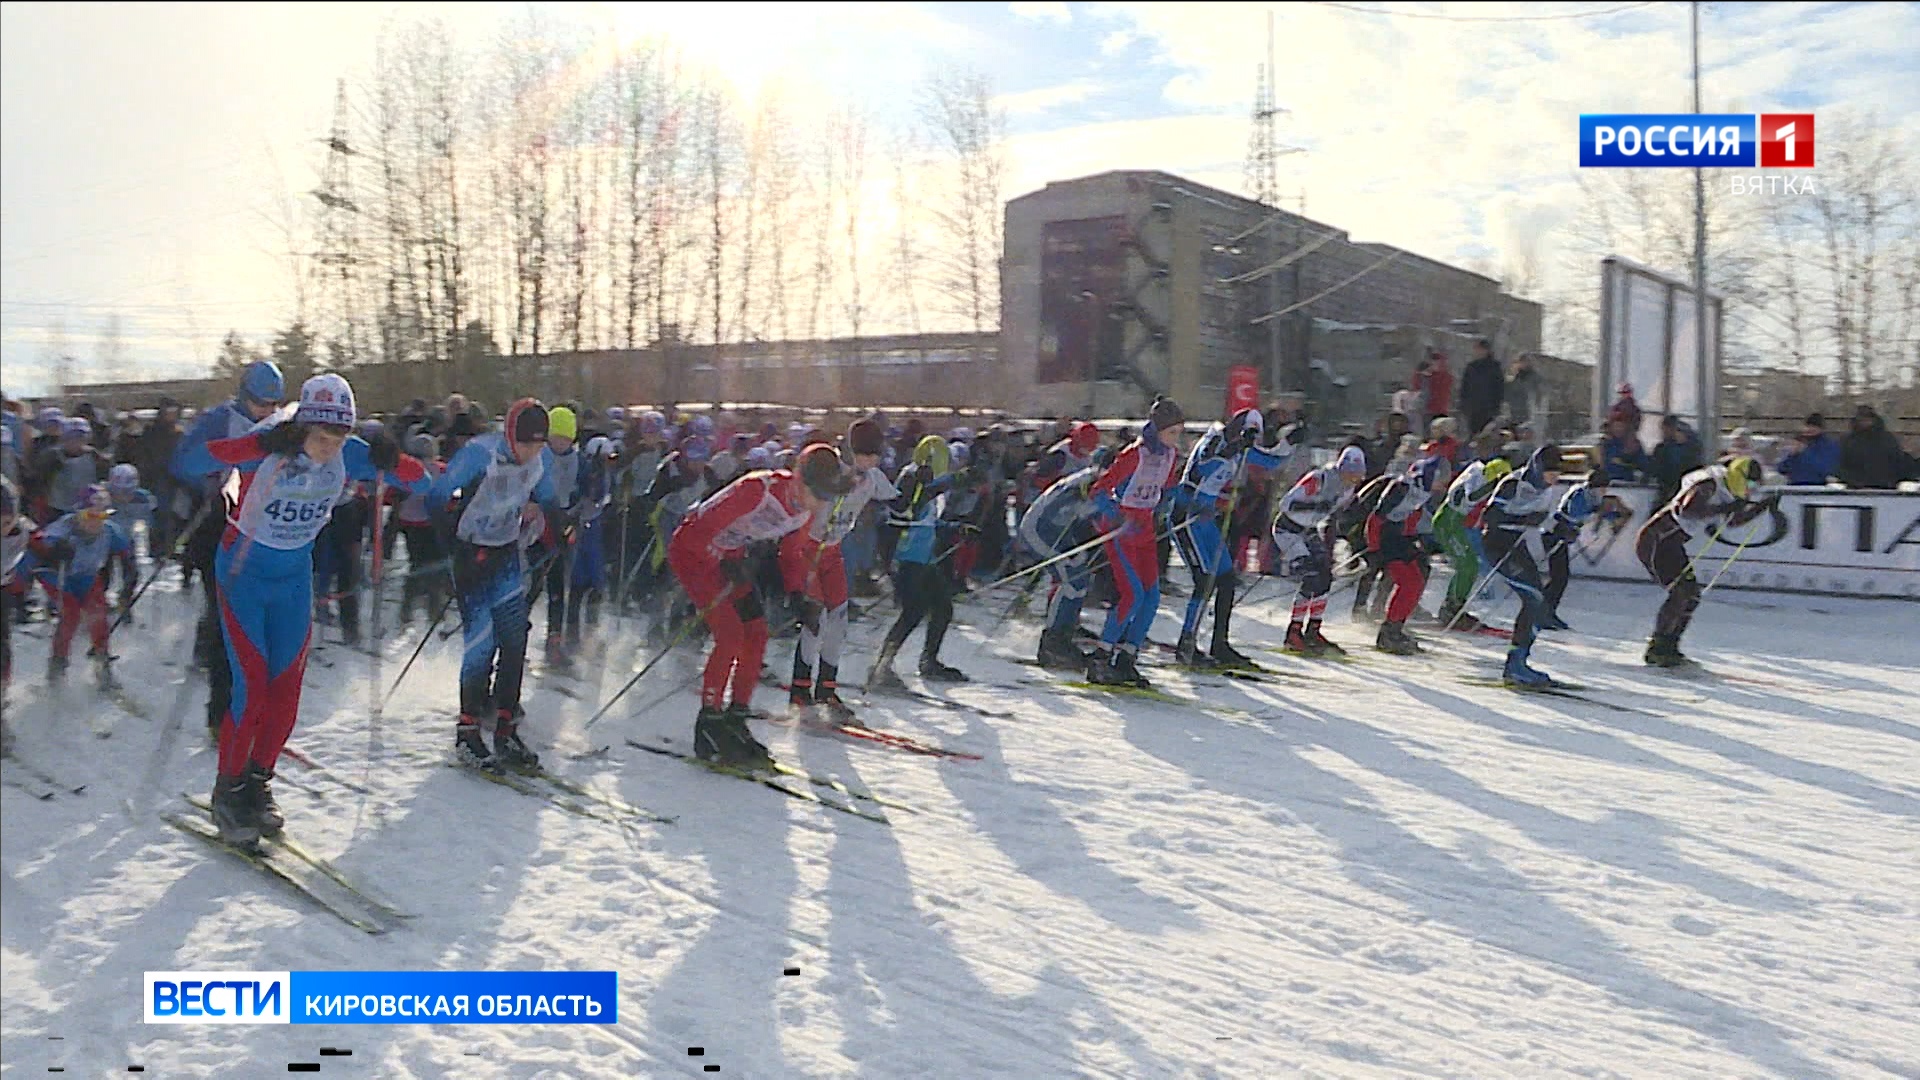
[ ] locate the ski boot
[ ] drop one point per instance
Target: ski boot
(1517, 673)
(1551, 620)
(1317, 640)
(266, 812)
(1393, 638)
(741, 750)
(1101, 669)
(1226, 656)
(932, 670)
(1663, 650)
(800, 700)
(1127, 662)
(710, 741)
(470, 747)
(1458, 618)
(1297, 641)
(233, 812)
(509, 749)
(881, 678)
(826, 697)
(1059, 653)
(1189, 654)
(57, 670)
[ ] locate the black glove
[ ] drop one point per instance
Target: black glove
(748, 607)
(287, 438)
(1297, 434)
(382, 451)
(808, 612)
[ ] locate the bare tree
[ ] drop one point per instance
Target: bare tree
(958, 112)
(110, 354)
(824, 180)
(850, 142)
(780, 181)
(908, 253)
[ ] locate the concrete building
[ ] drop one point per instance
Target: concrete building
(1119, 286)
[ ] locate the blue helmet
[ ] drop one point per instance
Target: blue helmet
(262, 383)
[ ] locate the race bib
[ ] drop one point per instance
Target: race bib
(289, 501)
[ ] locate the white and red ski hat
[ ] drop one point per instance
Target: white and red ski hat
(326, 399)
(1353, 462)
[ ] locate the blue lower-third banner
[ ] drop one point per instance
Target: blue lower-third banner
(382, 997)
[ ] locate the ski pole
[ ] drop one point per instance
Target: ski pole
(1724, 567)
(180, 541)
(673, 643)
(375, 703)
(1481, 586)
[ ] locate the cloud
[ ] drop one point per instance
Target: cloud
(1047, 98)
(1116, 42)
(1040, 11)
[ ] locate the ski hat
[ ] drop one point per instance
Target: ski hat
(526, 421)
(76, 427)
(370, 428)
(739, 442)
(1084, 438)
(326, 399)
(933, 454)
(701, 425)
(864, 437)
(96, 502)
(1352, 462)
(697, 449)
(1743, 475)
(819, 468)
(616, 414)
(262, 384)
(599, 447)
(960, 454)
(562, 424)
(759, 458)
(724, 467)
(1248, 424)
(421, 445)
(123, 478)
(1498, 469)
(1166, 414)
(652, 423)
(1544, 460)
(960, 435)
(50, 416)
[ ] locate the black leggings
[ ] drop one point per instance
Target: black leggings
(925, 591)
(1662, 547)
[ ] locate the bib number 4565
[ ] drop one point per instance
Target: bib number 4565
(290, 512)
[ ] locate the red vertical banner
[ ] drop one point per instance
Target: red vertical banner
(1243, 388)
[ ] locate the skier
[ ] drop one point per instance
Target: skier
(1456, 525)
(1205, 502)
(924, 582)
(565, 463)
(1130, 493)
(71, 556)
(1059, 521)
(504, 492)
(1579, 504)
(260, 392)
(588, 579)
(293, 469)
(16, 531)
(1303, 544)
(706, 556)
(426, 560)
(1705, 496)
(815, 573)
(73, 466)
(1520, 504)
(1393, 531)
(1068, 455)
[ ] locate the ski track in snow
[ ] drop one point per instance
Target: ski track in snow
(1384, 872)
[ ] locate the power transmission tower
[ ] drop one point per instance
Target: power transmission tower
(337, 259)
(1263, 178)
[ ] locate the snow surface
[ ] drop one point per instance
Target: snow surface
(1378, 871)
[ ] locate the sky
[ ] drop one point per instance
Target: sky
(148, 150)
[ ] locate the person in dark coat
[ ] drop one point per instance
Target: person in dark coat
(1622, 457)
(1870, 457)
(1815, 456)
(1483, 388)
(1679, 453)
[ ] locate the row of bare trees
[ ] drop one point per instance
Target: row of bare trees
(554, 193)
(1820, 270)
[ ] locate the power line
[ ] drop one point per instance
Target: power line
(1486, 18)
(1330, 290)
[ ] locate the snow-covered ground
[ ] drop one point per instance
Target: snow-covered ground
(1375, 869)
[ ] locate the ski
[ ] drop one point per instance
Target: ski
(1570, 691)
(577, 799)
(878, 738)
(308, 762)
(31, 787)
(292, 847)
(773, 781)
(1483, 631)
(40, 776)
(283, 864)
(925, 698)
(832, 784)
(1149, 693)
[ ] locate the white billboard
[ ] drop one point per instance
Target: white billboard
(1647, 340)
